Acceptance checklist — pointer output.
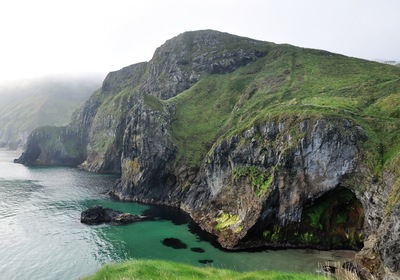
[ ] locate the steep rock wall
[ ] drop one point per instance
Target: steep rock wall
(64, 146)
(148, 152)
(265, 176)
(178, 64)
(271, 182)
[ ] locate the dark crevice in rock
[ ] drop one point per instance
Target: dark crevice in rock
(333, 221)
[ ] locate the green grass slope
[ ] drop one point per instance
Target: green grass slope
(154, 269)
(292, 83)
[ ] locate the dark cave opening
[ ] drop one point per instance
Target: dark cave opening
(334, 220)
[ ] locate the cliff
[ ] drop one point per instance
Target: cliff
(28, 104)
(263, 144)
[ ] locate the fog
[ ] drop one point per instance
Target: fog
(49, 100)
(42, 37)
(57, 83)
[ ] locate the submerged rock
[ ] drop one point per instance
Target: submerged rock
(98, 215)
(197, 250)
(174, 243)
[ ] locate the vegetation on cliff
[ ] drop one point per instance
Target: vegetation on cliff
(154, 269)
(249, 137)
(297, 83)
(279, 82)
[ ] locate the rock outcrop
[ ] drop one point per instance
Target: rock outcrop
(262, 180)
(49, 146)
(99, 215)
(388, 246)
(263, 144)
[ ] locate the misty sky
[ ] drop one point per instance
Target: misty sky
(56, 36)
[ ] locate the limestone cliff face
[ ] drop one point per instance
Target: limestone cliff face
(300, 173)
(100, 124)
(388, 246)
(104, 135)
(147, 155)
(148, 148)
(47, 146)
(266, 176)
(178, 64)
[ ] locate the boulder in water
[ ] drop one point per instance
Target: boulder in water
(98, 215)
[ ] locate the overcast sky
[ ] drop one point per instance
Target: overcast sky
(56, 36)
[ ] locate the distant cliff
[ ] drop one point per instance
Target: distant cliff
(28, 104)
(263, 144)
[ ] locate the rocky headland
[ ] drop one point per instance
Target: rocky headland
(262, 144)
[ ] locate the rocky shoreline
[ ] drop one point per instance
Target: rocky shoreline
(260, 143)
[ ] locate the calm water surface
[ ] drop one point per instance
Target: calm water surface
(41, 236)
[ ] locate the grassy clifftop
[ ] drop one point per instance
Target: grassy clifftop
(154, 269)
(291, 82)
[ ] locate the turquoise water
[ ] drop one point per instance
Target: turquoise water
(41, 236)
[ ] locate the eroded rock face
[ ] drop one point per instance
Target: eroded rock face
(46, 147)
(147, 156)
(261, 180)
(368, 259)
(177, 64)
(98, 128)
(267, 185)
(389, 247)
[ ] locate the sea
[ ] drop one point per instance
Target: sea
(41, 236)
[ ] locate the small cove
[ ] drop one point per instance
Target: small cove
(41, 236)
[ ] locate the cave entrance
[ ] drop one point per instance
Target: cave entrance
(334, 220)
